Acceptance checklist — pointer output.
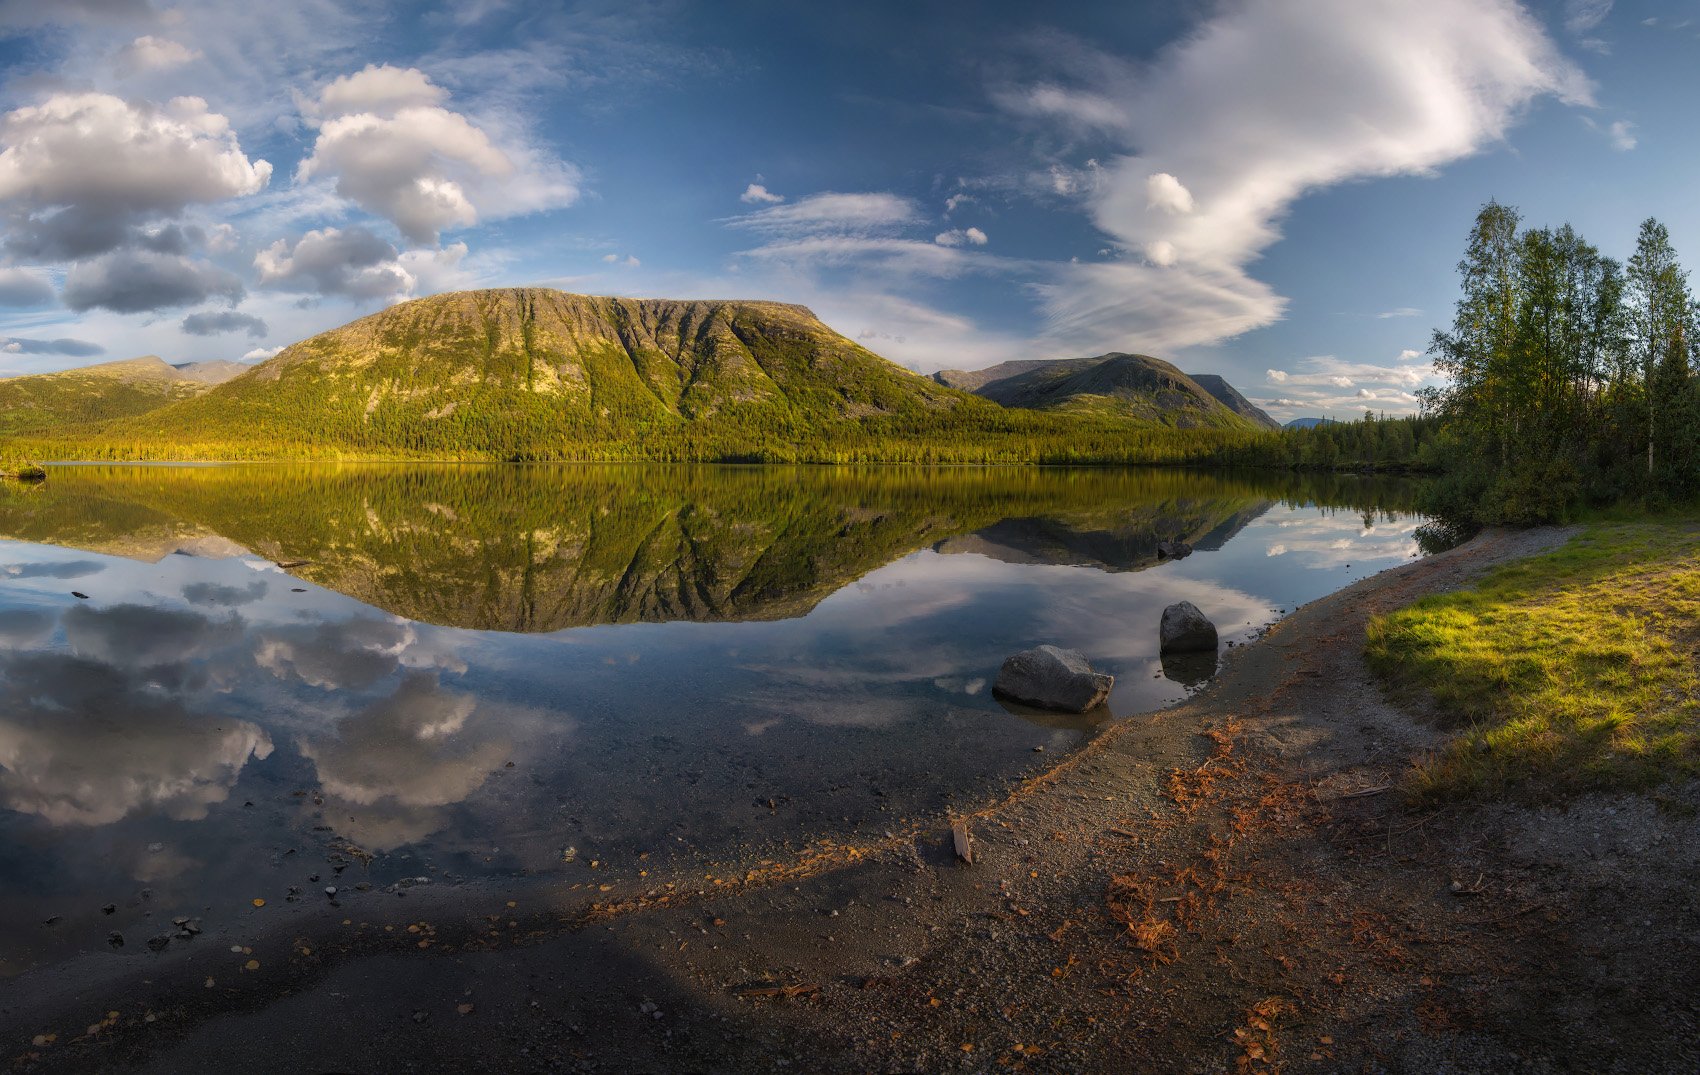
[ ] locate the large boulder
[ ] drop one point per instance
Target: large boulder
(1052, 678)
(1186, 630)
(1173, 550)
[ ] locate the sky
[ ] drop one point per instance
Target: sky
(1277, 192)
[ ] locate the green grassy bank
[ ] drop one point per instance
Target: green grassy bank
(1567, 672)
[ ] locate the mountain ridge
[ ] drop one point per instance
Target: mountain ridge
(1117, 383)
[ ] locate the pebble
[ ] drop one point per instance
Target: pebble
(115, 939)
(158, 943)
(330, 890)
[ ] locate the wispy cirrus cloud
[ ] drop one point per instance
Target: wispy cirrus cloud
(1264, 102)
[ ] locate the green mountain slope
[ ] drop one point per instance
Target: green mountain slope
(45, 402)
(512, 371)
(1230, 397)
(1138, 387)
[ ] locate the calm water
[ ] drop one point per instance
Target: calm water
(476, 674)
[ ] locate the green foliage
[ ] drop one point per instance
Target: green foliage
(1554, 696)
(1571, 381)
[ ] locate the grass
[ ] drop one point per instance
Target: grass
(1565, 673)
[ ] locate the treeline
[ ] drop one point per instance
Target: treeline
(1571, 376)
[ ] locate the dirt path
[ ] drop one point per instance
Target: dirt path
(1228, 885)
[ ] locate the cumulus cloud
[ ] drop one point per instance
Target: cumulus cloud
(81, 171)
(756, 194)
(629, 261)
(1264, 102)
(148, 54)
(395, 151)
(1326, 383)
(1622, 134)
(63, 346)
(350, 262)
(1163, 191)
(134, 281)
(222, 321)
(259, 354)
(379, 88)
(84, 742)
(21, 287)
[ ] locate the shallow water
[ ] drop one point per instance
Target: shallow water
(478, 673)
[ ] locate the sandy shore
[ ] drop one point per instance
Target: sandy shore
(1226, 885)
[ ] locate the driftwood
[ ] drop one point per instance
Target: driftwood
(777, 992)
(964, 845)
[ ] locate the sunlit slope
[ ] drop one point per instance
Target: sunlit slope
(48, 402)
(508, 371)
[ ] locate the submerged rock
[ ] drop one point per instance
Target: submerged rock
(1053, 678)
(1186, 630)
(1173, 550)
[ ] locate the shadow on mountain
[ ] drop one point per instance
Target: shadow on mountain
(543, 548)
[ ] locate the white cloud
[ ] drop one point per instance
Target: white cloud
(831, 212)
(1402, 311)
(397, 153)
(959, 236)
(81, 171)
(1622, 134)
(146, 55)
(756, 194)
(380, 89)
(1262, 103)
(628, 261)
(1163, 191)
(351, 262)
(1316, 387)
(260, 353)
(956, 201)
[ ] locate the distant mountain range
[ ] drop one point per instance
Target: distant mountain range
(1134, 386)
(539, 373)
(1309, 423)
(132, 386)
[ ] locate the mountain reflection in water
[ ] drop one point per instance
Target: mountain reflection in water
(488, 671)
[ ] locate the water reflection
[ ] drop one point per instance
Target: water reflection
(479, 667)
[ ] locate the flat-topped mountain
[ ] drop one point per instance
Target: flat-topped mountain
(44, 401)
(505, 370)
(1133, 386)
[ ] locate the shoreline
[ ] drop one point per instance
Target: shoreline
(1211, 887)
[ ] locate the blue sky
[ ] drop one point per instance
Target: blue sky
(1274, 191)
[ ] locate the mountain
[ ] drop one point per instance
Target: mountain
(1309, 423)
(217, 371)
(45, 401)
(1230, 397)
(520, 371)
(1122, 385)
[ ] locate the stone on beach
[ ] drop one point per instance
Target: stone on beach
(1053, 678)
(1186, 630)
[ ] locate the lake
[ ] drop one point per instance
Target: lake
(225, 684)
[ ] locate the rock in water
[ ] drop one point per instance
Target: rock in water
(1167, 550)
(1053, 678)
(1186, 630)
